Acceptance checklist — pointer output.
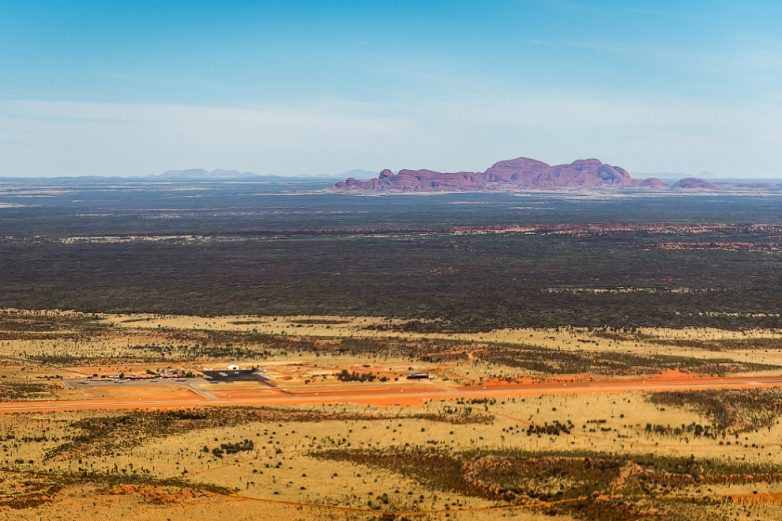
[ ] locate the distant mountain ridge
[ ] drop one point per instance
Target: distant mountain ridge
(522, 174)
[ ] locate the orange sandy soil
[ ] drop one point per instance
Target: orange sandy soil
(140, 392)
(771, 498)
(170, 396)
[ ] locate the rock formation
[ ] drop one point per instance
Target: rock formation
(512, 174)
(696, 183)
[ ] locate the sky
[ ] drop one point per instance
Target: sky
(319, 87)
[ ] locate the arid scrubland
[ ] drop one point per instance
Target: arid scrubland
(676, 454)
(234, 351)
(390, 260)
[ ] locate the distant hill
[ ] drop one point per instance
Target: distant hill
(696, 183)
(519, 173)
(524, 174)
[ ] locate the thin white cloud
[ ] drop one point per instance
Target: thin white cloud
(329, 136)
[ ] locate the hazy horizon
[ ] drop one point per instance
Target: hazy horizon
(308, 88)
(366, 174)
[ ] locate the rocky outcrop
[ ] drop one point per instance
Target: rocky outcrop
(524, 173)
(653, 182)
(696, 183)
(416, 181)
(518, 171)
(529, 173)
(512, 174)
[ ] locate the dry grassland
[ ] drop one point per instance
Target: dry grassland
(692, 454)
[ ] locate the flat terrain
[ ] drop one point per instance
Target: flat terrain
(457, 262)
(166, 396)
(233, 351)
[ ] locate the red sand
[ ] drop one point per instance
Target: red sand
(396, 395)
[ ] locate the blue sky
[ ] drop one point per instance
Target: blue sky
(319, 87)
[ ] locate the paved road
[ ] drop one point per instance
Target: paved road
(403, 395)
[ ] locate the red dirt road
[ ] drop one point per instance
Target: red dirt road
(399, 395)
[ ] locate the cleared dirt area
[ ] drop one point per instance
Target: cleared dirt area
(171, 396)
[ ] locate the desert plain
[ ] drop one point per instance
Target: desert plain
(184, 350)
(111, 414)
